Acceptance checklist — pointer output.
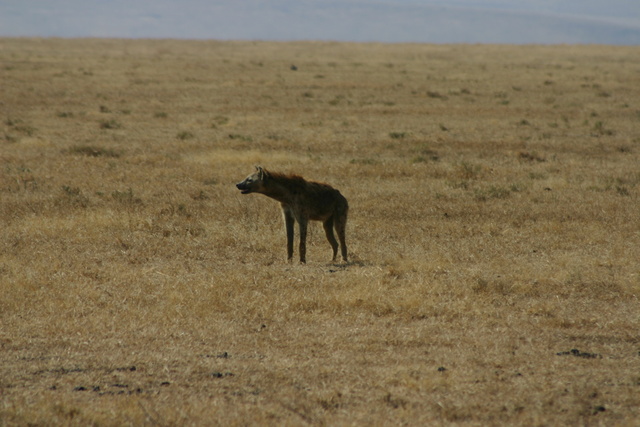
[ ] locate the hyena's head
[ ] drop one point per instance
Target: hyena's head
(254, 183)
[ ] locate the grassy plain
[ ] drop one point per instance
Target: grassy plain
(494, 228)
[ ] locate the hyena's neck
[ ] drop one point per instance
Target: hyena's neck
(277, 191)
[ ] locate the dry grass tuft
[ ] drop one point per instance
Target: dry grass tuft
(493, 234)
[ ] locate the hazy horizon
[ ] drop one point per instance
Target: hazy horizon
(432, 21)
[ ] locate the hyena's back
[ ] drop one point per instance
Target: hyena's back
(321, 201)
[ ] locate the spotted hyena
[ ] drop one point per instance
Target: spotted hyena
(301, 201)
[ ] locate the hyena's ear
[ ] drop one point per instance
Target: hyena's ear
(261, 173)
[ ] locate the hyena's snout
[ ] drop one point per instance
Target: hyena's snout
(243, 187)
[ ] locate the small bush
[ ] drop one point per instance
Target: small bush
(419, 159)
(110, 124)
(530, 157)
(397, 135)
(92, 151)
(469, 171)
(432, 94)
(74, 196)
(493, 192)
(600, 129)
(240, 137)
(221, 120)
(70, 191)
(126, 197)
(623, 191)
(19, 126)
(184, 135)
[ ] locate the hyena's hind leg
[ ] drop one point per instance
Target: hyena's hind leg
(328, 229)
(340, 223)
(289, 222)
(302, 222)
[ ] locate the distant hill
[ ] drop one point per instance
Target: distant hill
(455, 21)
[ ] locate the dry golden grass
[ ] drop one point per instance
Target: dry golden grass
(493, 228)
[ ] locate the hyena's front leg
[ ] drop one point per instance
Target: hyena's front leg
(288, 223)
(302, 221)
